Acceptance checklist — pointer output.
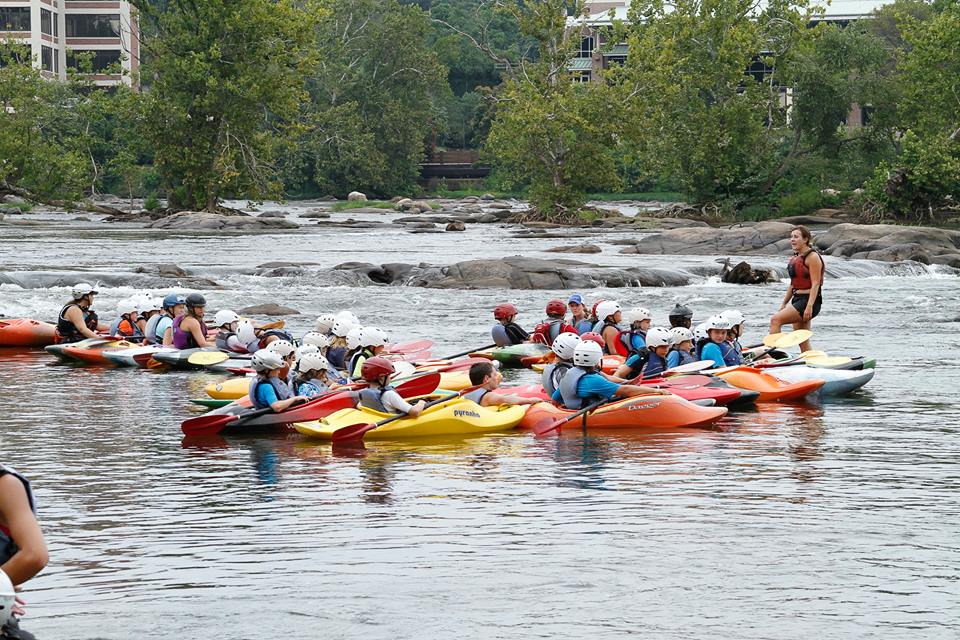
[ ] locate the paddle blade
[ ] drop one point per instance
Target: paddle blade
(692, 367)
(204, 358)
(813, 353)
(792, 339)
(771, 340)
(546, 425)
(276, 324)
(206, 425)
(353, 432)
(410, 347)
(419, 386)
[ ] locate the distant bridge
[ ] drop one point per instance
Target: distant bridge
(454, 164)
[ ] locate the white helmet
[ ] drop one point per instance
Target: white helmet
(311, 361)
(266, 360)
(718, 322)
(353, 338)
(606, 309)
(587, 354)
(324, 323)
(341, 327)
(700, 331)
(658, 337)
(83, 289)
(225, 316)
(316, 339)
(734, 316)
(245, 331)
(637, 314)
(304, 349)
(350, 317)
(126, 306)
(282, 348)
(681, 334)
(8, 597)
(372, 337)
(565, 344)
(156, 304)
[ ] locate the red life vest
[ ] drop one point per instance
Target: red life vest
(548, 330)
(618, 343)
(800, 279)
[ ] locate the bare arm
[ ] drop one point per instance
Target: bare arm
(75, 315)
(816, 272)
(493, 399)
(19, 519)
(610, 338)
(168, 337)
(631, 390)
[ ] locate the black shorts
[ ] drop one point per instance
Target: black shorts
(799, 302)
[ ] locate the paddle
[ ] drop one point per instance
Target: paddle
(204, 358)
(466, 353)
(357, 431)
(784, 340)
(276, 324)
(546, 425)
(409, 347)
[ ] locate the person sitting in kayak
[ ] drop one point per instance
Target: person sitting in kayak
(288, 352)
(189, 330)
(160, 328)
(489, 377)
(312, 375)
(608, 327)
(147, 309)
(380, 396)
(269, 388)
(583, 385)
(579, 317)
(324, 324)
(737, 321)
(77, 320)
(717, 348)
(337, 352)
(126, 323)
(682, 350)
(23, 551)
(633, 339)
(553, 373)
(555, 324)
(372, 343)
(228, 323)
(701, 337)
(659, 341)
(507, 332)
(681, 316)
(353, 348)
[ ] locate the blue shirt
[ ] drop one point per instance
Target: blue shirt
(636, 340)
(711, 351)
(673, 359)
(163, 324)
(309, 389)
(592, 387)
(266, 396)
(584, 326)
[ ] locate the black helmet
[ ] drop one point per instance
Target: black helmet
(681, 311)
(196, 300)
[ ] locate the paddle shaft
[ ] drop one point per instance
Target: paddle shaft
(466, 353)
(559, 423)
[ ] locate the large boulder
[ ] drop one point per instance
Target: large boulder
(896, 253)
(456, 226)
(356, 196)
(577, 248)
(848, 239)
(268, 309)
(762, 237)
(204, 220)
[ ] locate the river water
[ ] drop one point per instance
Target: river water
(835, 519)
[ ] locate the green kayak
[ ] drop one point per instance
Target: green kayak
(512, 356)
(211, 403)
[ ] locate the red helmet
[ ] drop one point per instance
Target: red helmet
(594, 337)
(374, 368)
(556, 308)
(593, 311)
(504, 311)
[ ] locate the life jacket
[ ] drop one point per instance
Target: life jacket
(9, 548)
(280, 387)
(625, 340)
(336, 355)
(618, 343)
(311, 387)
(165, 322)
(261, 342)
(355, 361)
(800, 279)
(548, 330)
(222, 342)
(131, 330)
(66, 332)
(516, 333)
(476, 395)
(150, 331)
(654, 365)
(686, 357)
(568, 387)
(183, 339)
(553, 374)
(731, 356)
(699, 345)
(373, 398)
(583, 326)
(636, 368)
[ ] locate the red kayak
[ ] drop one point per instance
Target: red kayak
(641, 412)
(24, 332)
(697, 388)
(94, 355)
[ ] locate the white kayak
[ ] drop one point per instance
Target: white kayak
(839, 382)
(134, 356)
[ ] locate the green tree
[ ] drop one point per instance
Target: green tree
(226, 83)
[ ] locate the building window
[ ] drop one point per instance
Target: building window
(100, 61)
(46, 22)
(759, 70)
(46, 58)
(56, 26)
(586, 48)
(90, 25)
(14, 18)
(580, 76)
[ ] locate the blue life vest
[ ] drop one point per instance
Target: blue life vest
(583, 326)
(312, 387)
(568, 387)
(553, 374)
(476, 395)
(373, 398)
(280, 387)
(655, 365)
(626, 339)
(678, 357)
(336, 355)
(731, 357)
(8, 548)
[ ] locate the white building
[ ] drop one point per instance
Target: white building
(57, 31)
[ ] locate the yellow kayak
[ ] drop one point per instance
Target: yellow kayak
(459, 416)
(230, 389)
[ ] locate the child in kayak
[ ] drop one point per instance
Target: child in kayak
(23, 551)
(270, 388)
(312, 375)
(553, 373)
(372, 343)
(485, 374)
(610, 315)
(681, 316)
(380, 396)
(584, 385)
(717, 348)
(682, 350)
(737, 321)
(227, 337)
(77, 320)
(160, 329)
(555, 324)
(126, 324)
(147, 310)
(659, 342)
(579, 317)
(507, 332)
(337, 352)
(634, 339)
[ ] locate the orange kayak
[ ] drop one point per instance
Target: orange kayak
(24, 332)
(643, 412)
(770, 388)
(94, 355)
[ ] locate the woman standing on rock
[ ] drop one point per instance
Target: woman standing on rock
(801, 304)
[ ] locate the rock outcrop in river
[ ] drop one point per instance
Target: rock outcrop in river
(205, 220)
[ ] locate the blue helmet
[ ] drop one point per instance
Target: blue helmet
(172, 300)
